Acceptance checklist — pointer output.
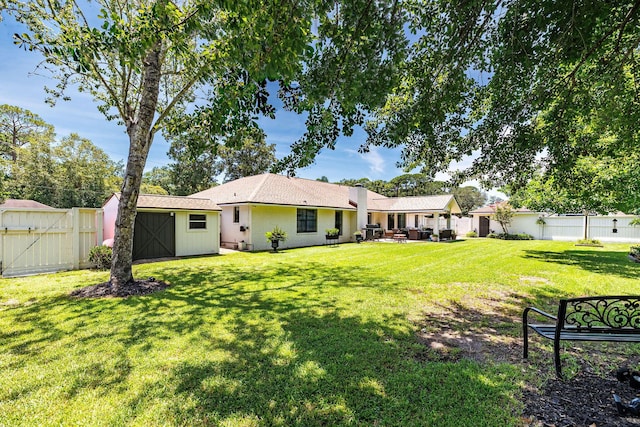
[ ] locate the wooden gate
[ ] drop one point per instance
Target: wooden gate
(45, 240)
(154, 235)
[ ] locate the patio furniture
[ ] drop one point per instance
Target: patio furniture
(601, 318)
(400, 238)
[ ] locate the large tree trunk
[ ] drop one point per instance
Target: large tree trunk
(140, 131)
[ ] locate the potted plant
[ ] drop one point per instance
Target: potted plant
(331, 233)
(276, 236)
(358, 236)
(435, 237)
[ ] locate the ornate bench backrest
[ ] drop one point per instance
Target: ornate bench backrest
(610, 313)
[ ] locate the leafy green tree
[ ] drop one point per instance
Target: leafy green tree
(247, 155)
(192, 170)
(81, 172)
(522, 85)
(469, 198)
(19, 127)
(504, 215)
(158, 181)
(32, 175)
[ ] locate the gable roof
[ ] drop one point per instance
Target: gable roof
(272, 189)
(23, 203)
(440, 203)
(157, 201)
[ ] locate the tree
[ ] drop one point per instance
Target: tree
(469, 198)
(158, 181)
(192, 170)
(81, 173)
(248, 155)
(524, 86)
(503, 215)
(145, 59)
(322, 179)
(19, 127)
(32, 175)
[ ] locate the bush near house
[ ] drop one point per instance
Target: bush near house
(471, 234)
(100, 257)
(508, 236)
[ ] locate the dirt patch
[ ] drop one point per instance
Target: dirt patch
(105, 290)
(487, 335)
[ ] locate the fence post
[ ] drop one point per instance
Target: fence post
(75, 213)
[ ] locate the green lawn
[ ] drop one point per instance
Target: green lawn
(315, 336)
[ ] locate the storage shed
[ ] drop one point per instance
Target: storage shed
(168, 226)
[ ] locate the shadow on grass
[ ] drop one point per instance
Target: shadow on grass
(273, 345)
(596, 261)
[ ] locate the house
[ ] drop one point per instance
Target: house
(305, 208)
(168, 226)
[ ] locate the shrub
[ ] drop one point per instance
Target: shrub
(588, 242)
(635, 251)
(276, 234)
(100, 257)
(332, 232)
(508, 236)
(472, 234)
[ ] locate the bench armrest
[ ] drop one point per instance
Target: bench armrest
(543, 313)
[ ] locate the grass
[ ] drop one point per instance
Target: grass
(313, 336)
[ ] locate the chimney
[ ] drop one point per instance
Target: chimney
(358, 194)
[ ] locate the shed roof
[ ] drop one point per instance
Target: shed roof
(157, 201)
(23, 203)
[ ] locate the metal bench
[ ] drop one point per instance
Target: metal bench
(601, 318)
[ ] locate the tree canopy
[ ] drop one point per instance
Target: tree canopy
(523, 87)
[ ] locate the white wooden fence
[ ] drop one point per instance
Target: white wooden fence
(574, 227)
(47, 240)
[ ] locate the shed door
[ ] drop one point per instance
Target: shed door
(154, 235)
(484, 226)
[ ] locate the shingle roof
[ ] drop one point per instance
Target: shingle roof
(28, 204)
(155, 201)
(440, 203)
(282, 190)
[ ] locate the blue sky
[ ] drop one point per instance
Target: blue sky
(23, 86)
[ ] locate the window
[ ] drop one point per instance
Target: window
(338, 221)
(307, 220)
(197, 222)
(415, 221)
(236, 214)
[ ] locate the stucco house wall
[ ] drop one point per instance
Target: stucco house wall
(265, 218)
